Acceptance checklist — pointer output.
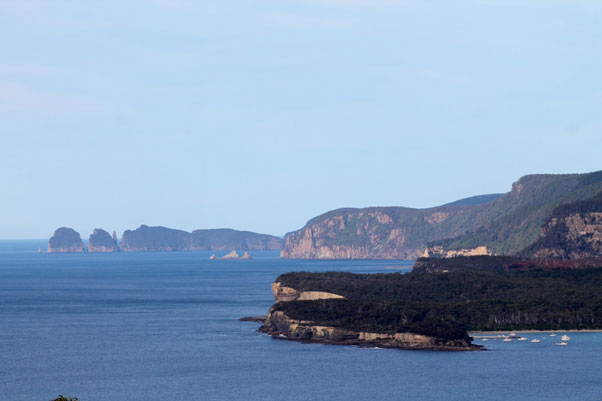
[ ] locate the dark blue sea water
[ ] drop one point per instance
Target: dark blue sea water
(163, 326)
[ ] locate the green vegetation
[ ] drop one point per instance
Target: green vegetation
(505, 224)
(514, 221)
(147, 238)
(447, 305)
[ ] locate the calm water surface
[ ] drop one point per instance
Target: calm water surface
(155, 326)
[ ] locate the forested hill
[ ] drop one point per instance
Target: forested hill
(469, 294)
(147, 238)
(504, 224)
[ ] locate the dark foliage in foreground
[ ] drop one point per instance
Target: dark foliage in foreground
(63, 398)
(446, 305)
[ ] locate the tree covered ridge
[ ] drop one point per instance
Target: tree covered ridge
(447, 305)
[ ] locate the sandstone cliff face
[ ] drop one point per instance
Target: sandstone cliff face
(278, 325)
(65, 240)
(439, 251)
(576, 236)
(101, 241)
(287, 294)
(377, 233)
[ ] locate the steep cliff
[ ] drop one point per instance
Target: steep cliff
(377, 232)
(504, 224)
(573, 232)
(101, 241)
(436, 304)
(65, 240)
(281, 326)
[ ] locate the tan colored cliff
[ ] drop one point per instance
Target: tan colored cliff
(439, 251)
(287, 294)
(231, 255)
(279, 325)
(576, 236)
(371, 235)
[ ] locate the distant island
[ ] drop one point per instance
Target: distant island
(65, 240)
(438, 303)
(101, 241)
(163, 239)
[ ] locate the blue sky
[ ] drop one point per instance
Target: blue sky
(260, 115)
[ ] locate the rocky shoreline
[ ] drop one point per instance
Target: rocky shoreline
(281, 327)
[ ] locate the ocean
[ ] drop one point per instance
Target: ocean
(164, 326)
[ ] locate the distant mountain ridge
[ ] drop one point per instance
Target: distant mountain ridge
(146, 238)
(475, 200)
(487, 224)
(163, 239)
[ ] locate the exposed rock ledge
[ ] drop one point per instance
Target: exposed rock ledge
(280, 326)
(286, 294)
(438, 251)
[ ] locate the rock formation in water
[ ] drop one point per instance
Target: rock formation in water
(246, 256)
(65, 240)
(504, 224)
(231, 255)
(101, 241)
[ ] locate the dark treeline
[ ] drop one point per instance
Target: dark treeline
(446, 305)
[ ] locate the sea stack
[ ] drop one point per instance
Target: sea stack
(246, 256)
(65, 240)
(231, 255)
(101, 241)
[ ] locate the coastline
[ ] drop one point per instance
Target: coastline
(473, 333)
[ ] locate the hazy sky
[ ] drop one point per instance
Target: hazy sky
(260, 115)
